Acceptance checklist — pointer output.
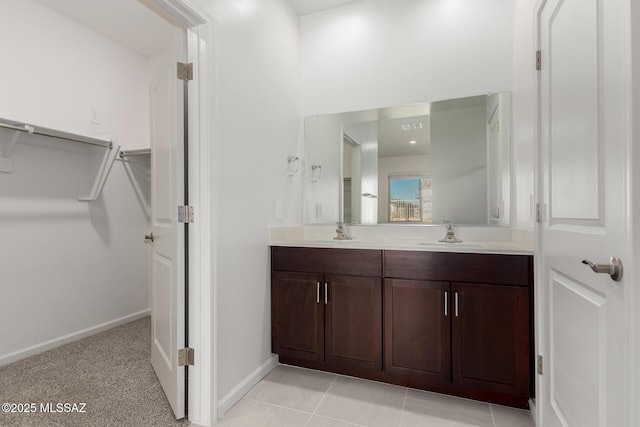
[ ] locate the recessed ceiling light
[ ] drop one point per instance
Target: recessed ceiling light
(406, 126)
(417, 125)
(413, 141)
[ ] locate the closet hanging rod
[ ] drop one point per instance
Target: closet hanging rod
(7, 124)
(129, 153)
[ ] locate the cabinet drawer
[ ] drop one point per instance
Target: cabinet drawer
(353, 262)
(459, 267)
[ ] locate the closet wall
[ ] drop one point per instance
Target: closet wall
(69, 268)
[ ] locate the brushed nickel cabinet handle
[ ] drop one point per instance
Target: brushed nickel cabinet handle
(317, 292)
(446, 303)
(455, 302)
(326, 293)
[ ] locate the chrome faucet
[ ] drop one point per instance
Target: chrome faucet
(341, 234)
(450, 237)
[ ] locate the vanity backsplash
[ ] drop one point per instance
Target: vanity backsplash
(473, 239)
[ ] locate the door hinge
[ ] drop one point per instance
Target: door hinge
(538, 60)
(185, 71)
(540, 366)
(186, 357)
(539, 212)
(185, 214)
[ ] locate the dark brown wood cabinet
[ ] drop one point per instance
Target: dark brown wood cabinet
(298, 320)
(456, 323)
(321, 314)
(490, 337)
(417, 331)
(353, 321)
(480, 307)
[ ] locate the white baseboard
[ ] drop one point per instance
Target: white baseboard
(532, 409)
(245, 385)
(66, 339)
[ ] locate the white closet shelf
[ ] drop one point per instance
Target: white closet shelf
(96, 155)
(19, 127)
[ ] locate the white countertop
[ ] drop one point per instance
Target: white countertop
(509, 248)
(474, 239)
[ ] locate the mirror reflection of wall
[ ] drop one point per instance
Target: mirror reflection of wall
(323, 146)
(360, 130)
(352, 179)
(459, 177)
(404, 152)
(498, 158)
(420, 163)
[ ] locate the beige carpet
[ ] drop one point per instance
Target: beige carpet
(110, 372)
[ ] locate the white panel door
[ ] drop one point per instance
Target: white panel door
(584, 192)
(167, 254)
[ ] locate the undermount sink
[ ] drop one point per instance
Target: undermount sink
(461, 245)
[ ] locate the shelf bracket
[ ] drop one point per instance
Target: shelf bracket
(6, 160)
(93, 171)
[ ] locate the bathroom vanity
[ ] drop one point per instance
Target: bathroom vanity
(399, 303)
(450, 322)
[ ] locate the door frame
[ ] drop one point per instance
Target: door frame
(632, 270)
(202, 375)
(539, 307)
(634, 205)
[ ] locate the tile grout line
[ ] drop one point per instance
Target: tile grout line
(369, 381)
(493, 418)
(404, 403)
(311, 415)
(321, 400)
(339, 420)
(276, 405)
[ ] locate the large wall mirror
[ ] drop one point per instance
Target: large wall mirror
(414, 164)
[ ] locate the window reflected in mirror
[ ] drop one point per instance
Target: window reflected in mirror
(410, 199)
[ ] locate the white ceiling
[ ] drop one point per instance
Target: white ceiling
(306, 7)
(132, 24)
(128, 22)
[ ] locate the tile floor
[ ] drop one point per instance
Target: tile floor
(297, 397)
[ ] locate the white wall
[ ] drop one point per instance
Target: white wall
(459, 177)
(380, 53)
(523, 101)
(256, 125)
(51, 66)
(68, 266)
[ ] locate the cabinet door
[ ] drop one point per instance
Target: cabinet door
(417, 329)
(297, 315)
(353, 319)
(491, 337)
